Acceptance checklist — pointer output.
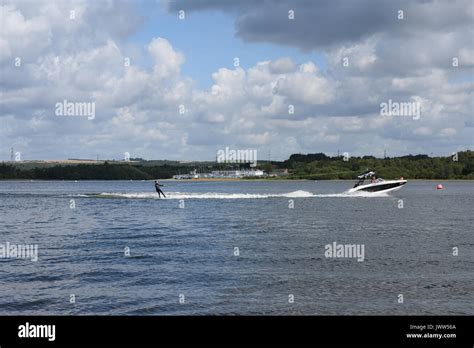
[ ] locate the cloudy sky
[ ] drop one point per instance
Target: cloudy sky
(208, 74)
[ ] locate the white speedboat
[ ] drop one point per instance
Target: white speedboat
(376, 184)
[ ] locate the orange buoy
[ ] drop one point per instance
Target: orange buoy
(439, 187)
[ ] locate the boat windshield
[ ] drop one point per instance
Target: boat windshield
(368, 175)
(360, 182)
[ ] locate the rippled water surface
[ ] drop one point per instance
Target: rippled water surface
(176, 250)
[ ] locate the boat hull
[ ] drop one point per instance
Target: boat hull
(383, 186)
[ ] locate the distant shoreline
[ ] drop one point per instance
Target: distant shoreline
(212, 180)
(316, 166)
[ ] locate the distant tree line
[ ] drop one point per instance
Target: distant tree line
(104, 171)
(319, 166)
(316, 166)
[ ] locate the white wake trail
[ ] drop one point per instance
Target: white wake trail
(215, 195)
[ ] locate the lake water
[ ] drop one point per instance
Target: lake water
(235, 248)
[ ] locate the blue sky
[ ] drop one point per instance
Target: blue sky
(207, 40)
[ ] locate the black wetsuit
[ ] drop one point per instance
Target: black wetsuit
(158, 190)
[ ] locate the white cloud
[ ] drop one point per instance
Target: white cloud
(306, 86)
(447, 132)
(167, 61)
(360, 56)
(22, 37)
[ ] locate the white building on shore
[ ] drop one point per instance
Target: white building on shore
(217, 174)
